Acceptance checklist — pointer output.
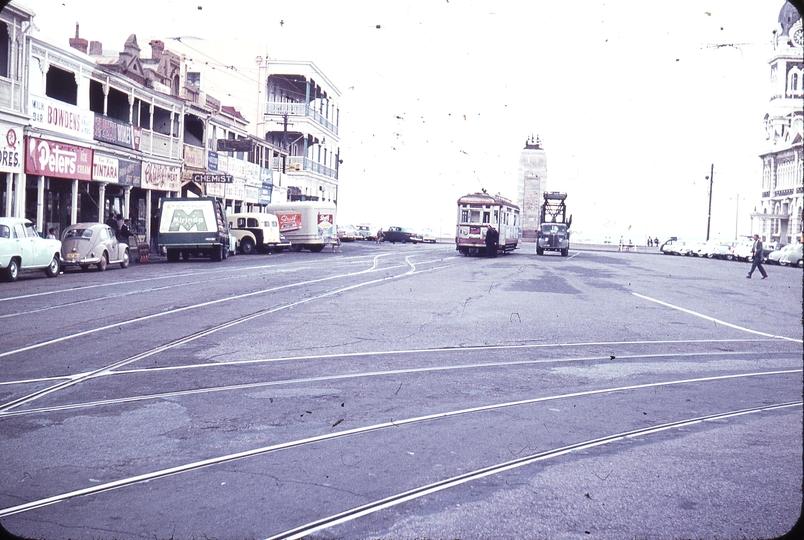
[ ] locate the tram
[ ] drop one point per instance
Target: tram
(476, 211)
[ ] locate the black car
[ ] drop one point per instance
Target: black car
(401, 234)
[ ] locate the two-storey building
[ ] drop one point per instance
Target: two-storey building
(302, 118)
(15, 23)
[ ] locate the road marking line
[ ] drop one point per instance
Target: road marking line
(718, 321)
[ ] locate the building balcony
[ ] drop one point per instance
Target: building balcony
(10, 94)
(161, 145)
(299, 164)
(300, 110)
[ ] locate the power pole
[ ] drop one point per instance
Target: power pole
(711, 178)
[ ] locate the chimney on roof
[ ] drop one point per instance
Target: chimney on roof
(157, 48)
(77, 42)
(95, 48)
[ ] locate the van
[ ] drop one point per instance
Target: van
(192, 227)
(306, 224)
(256, 231)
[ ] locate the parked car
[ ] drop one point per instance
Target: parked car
(86, 244)
(675, 247)
(21, 248)
(724, 250)
(428, 236)
(793, 257)
(775, 255)
(743, 249)
(347, 233)
(401, 234)
(365, 232)
(706, 249)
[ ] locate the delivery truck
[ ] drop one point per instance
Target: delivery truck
(306, 224)
(193, 227)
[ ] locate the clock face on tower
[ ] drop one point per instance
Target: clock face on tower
(798, 37)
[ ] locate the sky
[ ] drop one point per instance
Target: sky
(634, 101)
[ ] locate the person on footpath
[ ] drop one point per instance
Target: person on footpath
(756, 253)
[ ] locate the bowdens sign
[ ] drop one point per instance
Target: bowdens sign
(53, 115)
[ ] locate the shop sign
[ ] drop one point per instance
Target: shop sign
(264, 196)
(252, 174)
(161, 177)
(10, 149)
(235, 145)
(61, 117)
(236, 190)
(252, 194)
(223, 164)
(205, 178)
(129, 173)
(49, 158)
(215, 190)
(237, 167)
(193, 156)
(212, 161)
(266, 176)
(105, 169)
(113, 131)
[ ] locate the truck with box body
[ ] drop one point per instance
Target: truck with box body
(257, 231)
(193, 227)
(306, 224)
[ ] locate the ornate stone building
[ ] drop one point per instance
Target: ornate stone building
(532, 182)
(780, 213)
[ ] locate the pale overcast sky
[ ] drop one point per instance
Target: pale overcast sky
(633, 100)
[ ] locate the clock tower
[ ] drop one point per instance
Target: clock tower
(532, 182)
(780, 216)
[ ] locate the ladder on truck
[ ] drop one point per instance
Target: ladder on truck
(554, 209)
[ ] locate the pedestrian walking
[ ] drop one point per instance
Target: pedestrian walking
(756, 254)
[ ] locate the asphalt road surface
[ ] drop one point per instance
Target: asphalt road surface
(401, 392)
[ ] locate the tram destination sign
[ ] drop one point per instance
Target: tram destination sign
(235, 145)
(206, 178)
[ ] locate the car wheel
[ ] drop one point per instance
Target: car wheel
(316, 248)
(247, 246)
(126, 260)
(12, 270)
(53, 268)
(104, 261)
(539, 251)
(729, 257)
(565, 252)
(800, 263)
(173, 255)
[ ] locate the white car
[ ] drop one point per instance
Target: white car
(21, 248)
(742, 250)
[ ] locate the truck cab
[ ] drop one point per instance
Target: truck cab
(552, 237)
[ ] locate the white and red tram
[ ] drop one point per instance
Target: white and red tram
(476, 212)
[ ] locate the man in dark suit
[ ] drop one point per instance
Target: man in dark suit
(756, 253)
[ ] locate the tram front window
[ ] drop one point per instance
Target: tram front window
(474, 216)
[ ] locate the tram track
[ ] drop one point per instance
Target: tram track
(6, 410)
(420, 491)
(76, 379)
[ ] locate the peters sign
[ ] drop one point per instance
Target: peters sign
(49, 158)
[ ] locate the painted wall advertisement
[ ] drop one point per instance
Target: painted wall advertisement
(59, 160)
(10, 149)
(116, 132)
(61, 117)
(161, 177)
(289, 221)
